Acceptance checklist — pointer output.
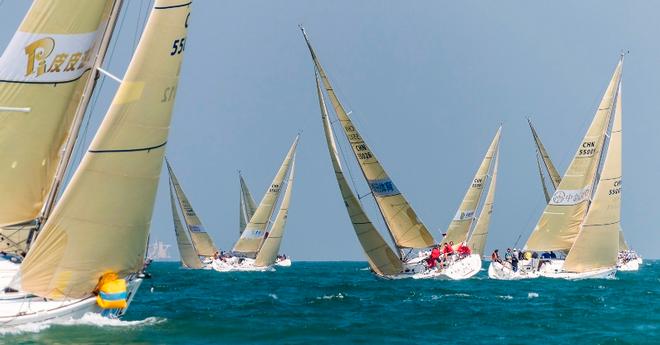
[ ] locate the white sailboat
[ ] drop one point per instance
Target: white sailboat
(578, 223)
(91, 249)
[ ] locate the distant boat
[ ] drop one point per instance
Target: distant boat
(96, 236)
(581, 221)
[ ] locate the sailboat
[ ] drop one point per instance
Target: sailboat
(47, 76)
(199, 253)
(90, 251)
(628, 259)
(260, 240)
(581, 221)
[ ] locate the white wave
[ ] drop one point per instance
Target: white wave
(507, 297)
(89, 319)
(27, 328)
(337, 296)
(273, 296)
(532, 295)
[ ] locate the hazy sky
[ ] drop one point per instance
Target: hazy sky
(428, 83)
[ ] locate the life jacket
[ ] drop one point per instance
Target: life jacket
(112, 292)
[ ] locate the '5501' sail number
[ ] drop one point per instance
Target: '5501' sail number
(178, 46)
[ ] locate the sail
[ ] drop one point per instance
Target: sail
(555, 178)
(477, 240)
(545, 188)
(44, 76)
(623, 245)
(253, 235)
(268, 253)
(597, 244)
(101, 223)
(200, 238)
(247, 205)
(560, 222)
(405, 227)
(189, 257)
(459, 227)
(380, 256)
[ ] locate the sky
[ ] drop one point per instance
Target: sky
(428, 83)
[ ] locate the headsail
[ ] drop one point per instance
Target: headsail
(200, 238)
(380, 256)
(560, 222)
(459, 227)
(44, 84)
(189, 257)
(545, 188)
(102, 221)
(247, 205)
(270, 248)
(253, 235)
(555, 178)
(477, 240)
(597, 244)
(405, 227)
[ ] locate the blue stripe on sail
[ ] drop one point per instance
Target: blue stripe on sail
(113, 296)
(384, 187)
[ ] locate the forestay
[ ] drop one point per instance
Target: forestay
(102, 221)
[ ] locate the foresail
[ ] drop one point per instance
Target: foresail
(623, 245)
(560, 222)
(201, 240)
(101, 223)
(270, 248)
(253, 235)
(189, 257)
(381, 258)
(247, 205)
(477, 240)
(460, 225)
(545, 188)
(405, 227)
(555, 178)
(597, 244)
(43, 75)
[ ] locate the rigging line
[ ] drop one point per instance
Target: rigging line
(137, 23)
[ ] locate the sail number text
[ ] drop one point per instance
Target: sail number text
(178, 46)
(588, 148)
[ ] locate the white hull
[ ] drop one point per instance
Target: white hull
(8, 270)
(555, 270)
(236, 265)
(632, 265)
(500, 271)
(283, 263)
(18, 308)
(457, 270)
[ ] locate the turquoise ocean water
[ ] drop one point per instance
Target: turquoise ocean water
(341, 302)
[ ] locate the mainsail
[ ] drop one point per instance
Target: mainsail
(477, 240)
(189, 257)
(252, 237)
(200, 238)
(247, 205)
(406, 228)
(561, 220)
(268, 253)
(46, 80)
(459, 227)
(101, 223)
(380, 256)
(597, 244)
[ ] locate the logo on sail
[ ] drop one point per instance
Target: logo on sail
(196, 228)
(252, 234)
(384, 187)
(570, 197)
(462, 215)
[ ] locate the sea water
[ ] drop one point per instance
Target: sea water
(342, 302)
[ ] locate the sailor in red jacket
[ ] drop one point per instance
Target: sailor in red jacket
(463, 250)
(435, 254)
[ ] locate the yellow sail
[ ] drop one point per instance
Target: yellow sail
(623, 245)
(253, 235)
(44, 75)
(381, 258)
(560, 222)
(597, 244)
(555, 178)
(459, 227)
(268, 253)
(102, 221)
(405, 227)
(247, 205)
(477, 240)
(189, 257)
(201, 240)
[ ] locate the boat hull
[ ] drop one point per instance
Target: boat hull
(283, 263)
(244, 265)
(632, 265)
(460, 269)
(501, 271)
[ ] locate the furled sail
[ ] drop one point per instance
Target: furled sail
(200, 238)
(405, 227)
(252, 237)
(560, 222)
(247, 205)
(459, 227)
(101, 223)
(268, 253)
(189, 257)
(555, 178)
(477, 240)
(380, 256)
(44, 88)
(597, 244)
